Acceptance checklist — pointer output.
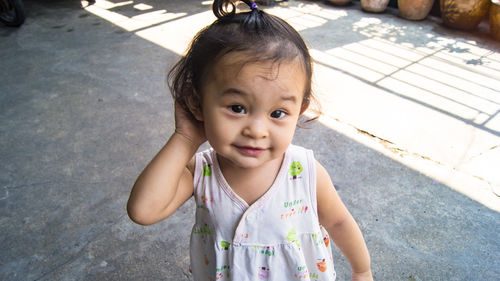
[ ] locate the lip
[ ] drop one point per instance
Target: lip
(250, 151)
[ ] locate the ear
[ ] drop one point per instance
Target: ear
(194, 105)
(304, 106)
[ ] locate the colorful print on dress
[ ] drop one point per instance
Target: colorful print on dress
(269, 251)
(222, 271)
(295, 170)
(203, 207)
(265, 250)
(293, 208)
(203, 202)
(263, 273)
(292, 237)
(204, 231)
(241, 238)
(322, 265)
(326, 240)
(207, 170)
(291, 212)
(303, 273)
(225, 245)
(318, 238)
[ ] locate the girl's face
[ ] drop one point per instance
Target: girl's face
(250, 111)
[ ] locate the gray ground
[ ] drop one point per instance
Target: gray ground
(410, 135)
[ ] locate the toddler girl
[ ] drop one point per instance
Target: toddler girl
(264, 206)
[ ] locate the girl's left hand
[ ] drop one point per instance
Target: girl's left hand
(364, 276)
(187, 126)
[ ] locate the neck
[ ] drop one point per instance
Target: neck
(250, 183)
(230, 170)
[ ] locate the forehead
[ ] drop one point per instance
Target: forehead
(241, 68)
(239, 60)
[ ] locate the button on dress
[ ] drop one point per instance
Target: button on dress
(276, 238)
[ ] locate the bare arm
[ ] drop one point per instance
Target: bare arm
(167, 182)
(341, 226)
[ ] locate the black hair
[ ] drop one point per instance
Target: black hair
(263, 36)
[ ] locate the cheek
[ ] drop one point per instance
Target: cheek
(215, 128)
(210, 130)
(284, 135)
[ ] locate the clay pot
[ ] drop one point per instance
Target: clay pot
(463, 14)
(414, 9)
(374, 6)
(495, 19)
(340, 2)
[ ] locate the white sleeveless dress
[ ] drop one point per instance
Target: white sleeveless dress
(276, 238)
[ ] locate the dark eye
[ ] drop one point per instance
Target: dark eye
(277, 114)
(238, 109)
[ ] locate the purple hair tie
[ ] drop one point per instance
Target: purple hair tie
(254, 6)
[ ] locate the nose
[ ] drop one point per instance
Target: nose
(256, 128)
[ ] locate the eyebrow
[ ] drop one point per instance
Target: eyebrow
(233, 91)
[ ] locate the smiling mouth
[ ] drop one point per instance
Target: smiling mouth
(250, 151)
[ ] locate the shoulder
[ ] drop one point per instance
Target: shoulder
(299, 152)
(298, 149)
(199, 161)
(301, 157)
(323, 180)
(191, 165)
(331, 209)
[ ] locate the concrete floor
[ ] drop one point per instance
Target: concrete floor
(410, 135)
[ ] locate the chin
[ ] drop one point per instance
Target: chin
(247, 163)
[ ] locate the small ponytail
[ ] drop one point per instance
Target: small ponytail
(220, 8)
(254, 20)
(227, 8)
